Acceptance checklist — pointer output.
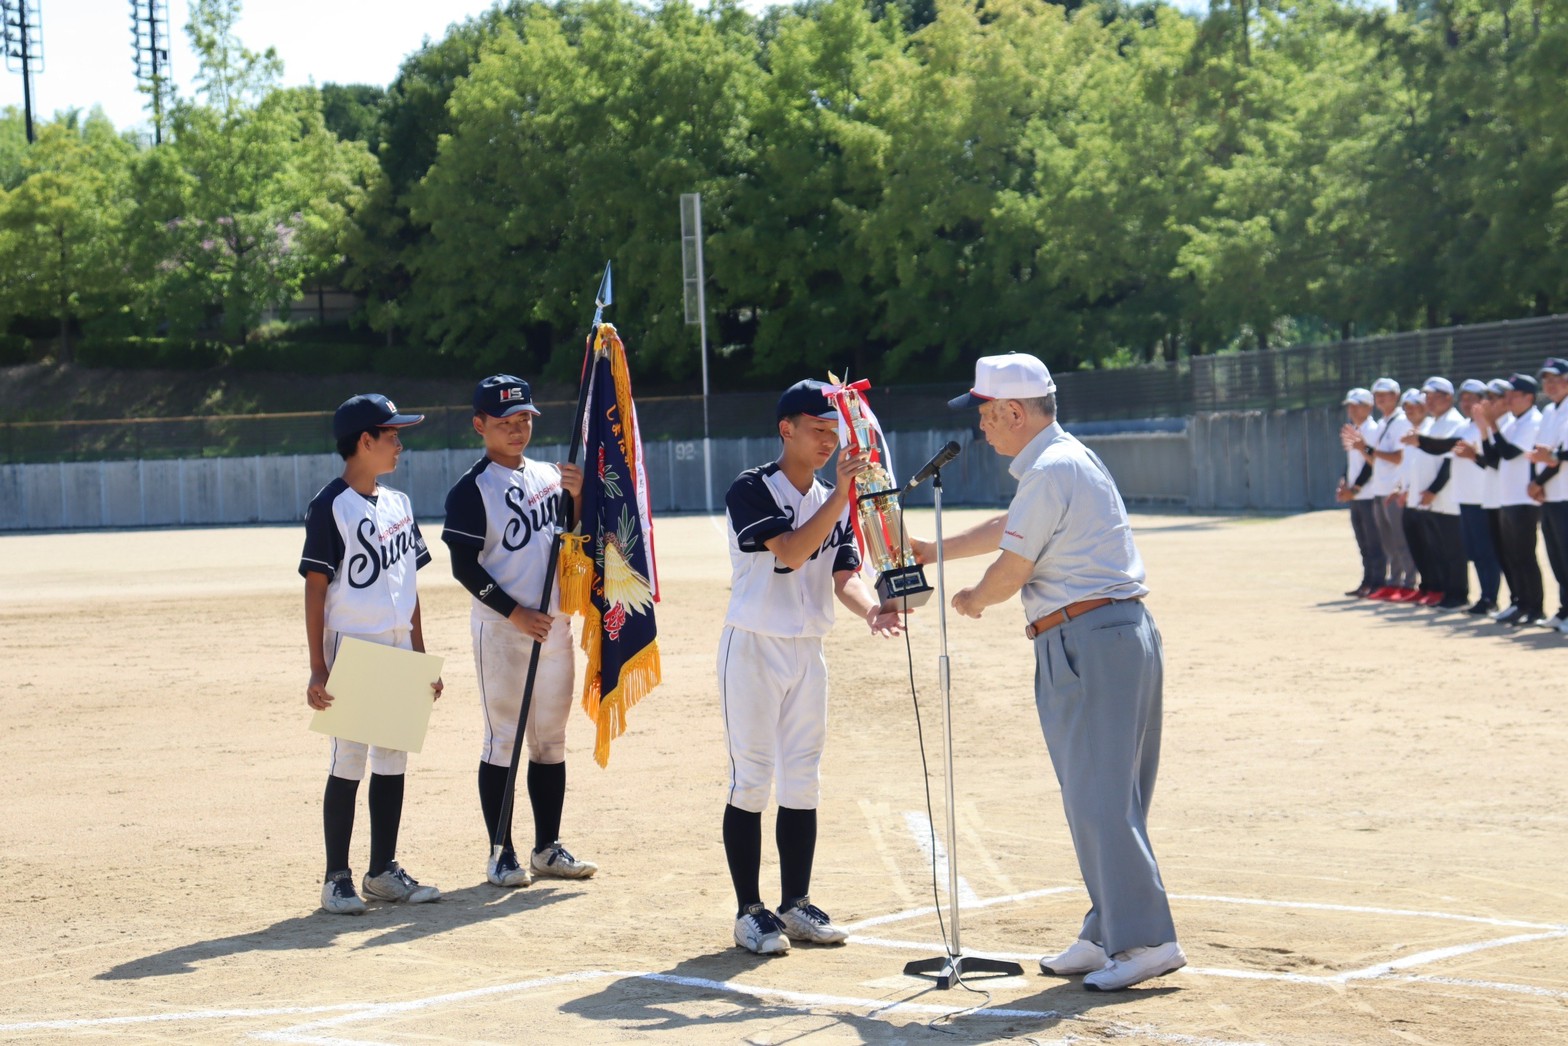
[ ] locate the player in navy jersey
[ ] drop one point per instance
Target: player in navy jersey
(792, 550)
(362, 549)
(501, 518)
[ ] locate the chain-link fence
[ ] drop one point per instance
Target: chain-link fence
(1304, 376)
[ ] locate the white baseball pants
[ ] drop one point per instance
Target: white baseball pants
(774, 694)
(348, 758)
(501, 656)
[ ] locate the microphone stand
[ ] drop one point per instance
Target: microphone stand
(950, 968)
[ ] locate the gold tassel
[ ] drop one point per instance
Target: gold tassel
(638, 676)
(575, 575)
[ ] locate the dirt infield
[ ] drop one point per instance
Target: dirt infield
(1362, 819)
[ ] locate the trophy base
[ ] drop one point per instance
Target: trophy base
(905, 585)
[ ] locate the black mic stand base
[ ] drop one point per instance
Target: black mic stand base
(949, 969)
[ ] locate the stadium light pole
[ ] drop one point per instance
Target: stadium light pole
(697, 313)
(21, 33)
(150, 45)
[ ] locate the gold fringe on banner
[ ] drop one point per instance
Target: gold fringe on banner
(576, 575)
(638, 676)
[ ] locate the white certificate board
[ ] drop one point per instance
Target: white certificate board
(380, 696)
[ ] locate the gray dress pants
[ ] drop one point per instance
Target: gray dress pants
(1391, 528)
(1098, 688)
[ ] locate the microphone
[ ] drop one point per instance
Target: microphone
(940, 458)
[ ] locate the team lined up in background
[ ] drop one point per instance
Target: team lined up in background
(1438, 482)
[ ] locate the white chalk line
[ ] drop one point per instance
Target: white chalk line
(346, 1013)
(185, 1015)
(919, 826)
(804, 1002)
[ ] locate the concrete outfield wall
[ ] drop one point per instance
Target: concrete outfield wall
(1271, 460)
(1149, 466)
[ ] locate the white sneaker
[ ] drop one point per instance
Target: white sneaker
(557, 863)
(1136, 965)
(1555, 621)
(506, 871)
(1079, 957)
(759, 930)
(1503, 612)
(1563, 628)
(395, 884)
(338, 896)
(804, 921)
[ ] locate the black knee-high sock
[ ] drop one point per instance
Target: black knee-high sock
(547, 793)
(337, 820)
(386, 813)
(743, 850)
(492, 793)
(796, 833)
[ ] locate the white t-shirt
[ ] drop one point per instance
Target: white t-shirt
(1444, 426)
(1553, 433)
(1385, 474)
(1513, 474)
(1468, 479)
(370, 549)
(766, 596)
(1417, 471)
(511, 516)
(1355, 461)
(1492, 485)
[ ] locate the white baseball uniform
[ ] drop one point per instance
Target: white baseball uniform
(771, 667)
(511, 516)
(370, 549)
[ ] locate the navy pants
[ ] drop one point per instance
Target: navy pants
(1480, 550)
(1554, 527)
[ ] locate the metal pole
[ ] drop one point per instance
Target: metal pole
(23, 32)
(702, 326)
(945, 682)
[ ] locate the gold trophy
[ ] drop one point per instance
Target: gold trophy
(878, 515)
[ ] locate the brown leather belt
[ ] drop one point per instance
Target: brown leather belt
(1070, 611)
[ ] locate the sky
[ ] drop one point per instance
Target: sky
(88, 56)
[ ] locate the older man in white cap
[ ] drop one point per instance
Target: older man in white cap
(1469, 482)
(1439, 496)
(1551, 486)
(1066, 545)
(1353, 491)
(1507, 446)
(1385, 453)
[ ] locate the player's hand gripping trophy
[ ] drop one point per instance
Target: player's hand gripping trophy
(878, 511)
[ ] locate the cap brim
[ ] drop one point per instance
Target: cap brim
(968, 399)
(518, 409)
(398, 421)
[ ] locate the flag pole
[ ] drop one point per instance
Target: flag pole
(503, 822)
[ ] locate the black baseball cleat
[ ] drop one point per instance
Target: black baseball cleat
(1482, 606)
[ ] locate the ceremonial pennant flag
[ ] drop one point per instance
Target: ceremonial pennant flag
(607, 571)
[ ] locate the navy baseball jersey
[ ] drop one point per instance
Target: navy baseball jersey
(369, 548)
(767, 597)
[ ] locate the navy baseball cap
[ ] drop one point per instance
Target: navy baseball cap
(1555, 366)
(806, 397)
(369, 411)
(502, 395)
(1524, 383)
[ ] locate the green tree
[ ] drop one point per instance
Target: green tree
(252, 196)
(62, 227)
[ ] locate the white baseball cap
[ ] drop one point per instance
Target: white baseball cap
(1385, 385)
(1358, 395)
(1015, 376)
(1436, 384)
(1412, 396)
(1474, 385)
